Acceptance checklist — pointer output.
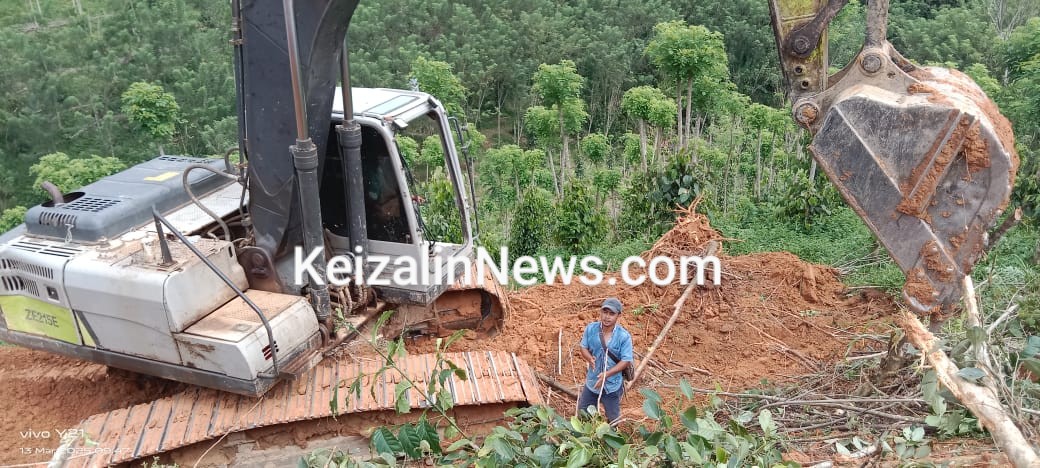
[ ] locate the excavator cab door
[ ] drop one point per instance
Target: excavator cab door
(920, 153)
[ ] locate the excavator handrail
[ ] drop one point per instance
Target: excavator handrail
(161, 221)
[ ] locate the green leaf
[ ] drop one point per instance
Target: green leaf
(614, 441)
(650, 395)
(765, 421)
(458, 444)
(671, 448)
(379, 323)
(453, 338)
(917, 435)
(1032, 347)
(652, 409)
(686, 389)
(580, 456)
(445, 400)
(384, 442)
(622, 455)
(402, 402)
(450, 432)
(972, 374)
(689, 418)
(544, 454)
(501, 447)
(976, 334)
(428, 433)
(692, 453)
(409, 441)
(334, 402)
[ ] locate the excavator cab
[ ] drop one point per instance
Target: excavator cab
(920, 153)
(395, 214)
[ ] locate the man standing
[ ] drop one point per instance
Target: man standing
(607, 347)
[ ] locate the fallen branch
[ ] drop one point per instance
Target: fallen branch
(557, 385)
(1007, 313)
(981, 400)
(712, 247)
(831, 404)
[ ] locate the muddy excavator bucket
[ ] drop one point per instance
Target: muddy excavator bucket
(474, 302)
(920, 153)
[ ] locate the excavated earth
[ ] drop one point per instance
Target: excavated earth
(773, 317)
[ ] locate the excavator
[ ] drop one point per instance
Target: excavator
(185, 268)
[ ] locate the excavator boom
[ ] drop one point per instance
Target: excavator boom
(920, 153)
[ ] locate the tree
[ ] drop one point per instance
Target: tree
(436, 78)
(11, 217)
(409, 149)
(542, 123)
(595, 147)
(440, 214)
(532, 223)
(152, 109)
(69, 174)
(688, 55)
(581, 223)
(647, 104)
(559, 87)
(506, 171)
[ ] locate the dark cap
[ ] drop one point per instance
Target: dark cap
(612, 304)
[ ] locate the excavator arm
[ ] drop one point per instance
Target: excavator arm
(920, 153)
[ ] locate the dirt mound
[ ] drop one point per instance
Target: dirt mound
(44, 395)
(773, 317)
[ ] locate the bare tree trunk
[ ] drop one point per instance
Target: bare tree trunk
(642, 142)
(565, 153)
(552, 169)
(689, 111)
(657, 142)
(758, 167)
(678, 116)
(729, 158)
(772, 164)
(611, 111)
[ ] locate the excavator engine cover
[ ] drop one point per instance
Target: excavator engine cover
(926, 160)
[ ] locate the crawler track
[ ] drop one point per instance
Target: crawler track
(198, 415)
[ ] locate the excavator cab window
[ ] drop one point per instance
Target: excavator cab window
(384, 207)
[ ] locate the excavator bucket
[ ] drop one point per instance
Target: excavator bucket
(929, 166)
(920, 153)
(474, 302)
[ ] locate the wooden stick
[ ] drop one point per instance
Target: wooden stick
(554, 384)
(712, 247)
(981, 400)
(559, 353)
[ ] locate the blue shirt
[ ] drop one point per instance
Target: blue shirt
(620, 344)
